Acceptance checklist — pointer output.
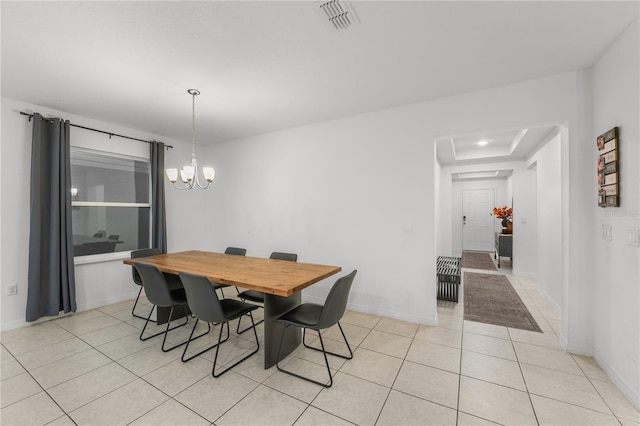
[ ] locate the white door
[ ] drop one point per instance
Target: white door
(477, 223)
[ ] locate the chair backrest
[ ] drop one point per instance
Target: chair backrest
(236, 250)
(336, 302)
(155, 285)
(114, 237)
(284, 256)
(100, 234)
(202, 298)
(141, 253)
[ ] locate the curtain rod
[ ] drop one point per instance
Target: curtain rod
(100, 131)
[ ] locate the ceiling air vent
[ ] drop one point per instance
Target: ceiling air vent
(339, 14)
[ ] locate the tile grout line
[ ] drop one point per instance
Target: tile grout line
(43, 390)
(370, 329)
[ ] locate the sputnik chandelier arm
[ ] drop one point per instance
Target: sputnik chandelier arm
(189, 173)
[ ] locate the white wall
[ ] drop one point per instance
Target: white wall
(352, 192)
(525, 222)
(549, 221)
(616, 282)
(358, 192)
(510, 187)
(97, 284)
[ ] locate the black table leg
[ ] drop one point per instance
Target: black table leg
(274, 306)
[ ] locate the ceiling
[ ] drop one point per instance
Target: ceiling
(270, 65)
(492, 146)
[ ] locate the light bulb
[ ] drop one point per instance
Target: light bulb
(189, 172)
(209, 173)
(172, 174)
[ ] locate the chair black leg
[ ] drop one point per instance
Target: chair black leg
(324, 353)
(248, 328)
(291, 373)
(136, 304)
(326, 361)
(185, 359)
(350, 356)
(215, 359)
(165, 332)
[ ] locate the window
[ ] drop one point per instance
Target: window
(111, 206)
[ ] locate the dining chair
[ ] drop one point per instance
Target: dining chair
(258, 296)
(114, 237)
(100, 234)
(230, 250)
(205, 306)
(136, 276)
(158, 292)
(319, 317)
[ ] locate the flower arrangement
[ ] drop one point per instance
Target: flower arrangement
(503, 212)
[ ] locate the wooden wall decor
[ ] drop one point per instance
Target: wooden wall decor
(608, 169)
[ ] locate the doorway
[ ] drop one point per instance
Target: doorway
(477, 223)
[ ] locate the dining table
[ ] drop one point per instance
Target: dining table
(281, 282)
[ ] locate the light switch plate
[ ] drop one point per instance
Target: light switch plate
(633, 237)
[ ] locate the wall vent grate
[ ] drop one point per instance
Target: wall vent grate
(339, 14)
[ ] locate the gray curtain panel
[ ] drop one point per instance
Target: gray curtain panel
(51, 280)
(158, 215)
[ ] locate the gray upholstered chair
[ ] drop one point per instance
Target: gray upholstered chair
(230, 250)
(158, 292)
(205, 306)
(257, 296)
(319, 317)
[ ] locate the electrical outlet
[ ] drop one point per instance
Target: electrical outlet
(12, 289)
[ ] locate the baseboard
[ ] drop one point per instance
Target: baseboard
(111, 301)
(12, 325)
(553, 304)
(389, 314)
(619, 380)
(80, 308)
(574, 349)
(531, 275)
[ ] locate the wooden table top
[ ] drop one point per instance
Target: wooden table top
(279, 277)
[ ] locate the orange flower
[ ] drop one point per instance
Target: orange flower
(502, 212)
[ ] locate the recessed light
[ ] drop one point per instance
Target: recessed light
(482, 142)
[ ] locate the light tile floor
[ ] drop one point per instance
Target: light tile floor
(91, 368)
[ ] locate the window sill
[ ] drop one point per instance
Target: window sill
(103, 257)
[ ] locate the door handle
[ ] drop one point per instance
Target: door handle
(464, 220)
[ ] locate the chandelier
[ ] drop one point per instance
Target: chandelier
(189, 173)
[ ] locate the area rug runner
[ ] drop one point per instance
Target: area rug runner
(478, 260)
(491, 299)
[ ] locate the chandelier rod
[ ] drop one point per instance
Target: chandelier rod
(193, 93)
